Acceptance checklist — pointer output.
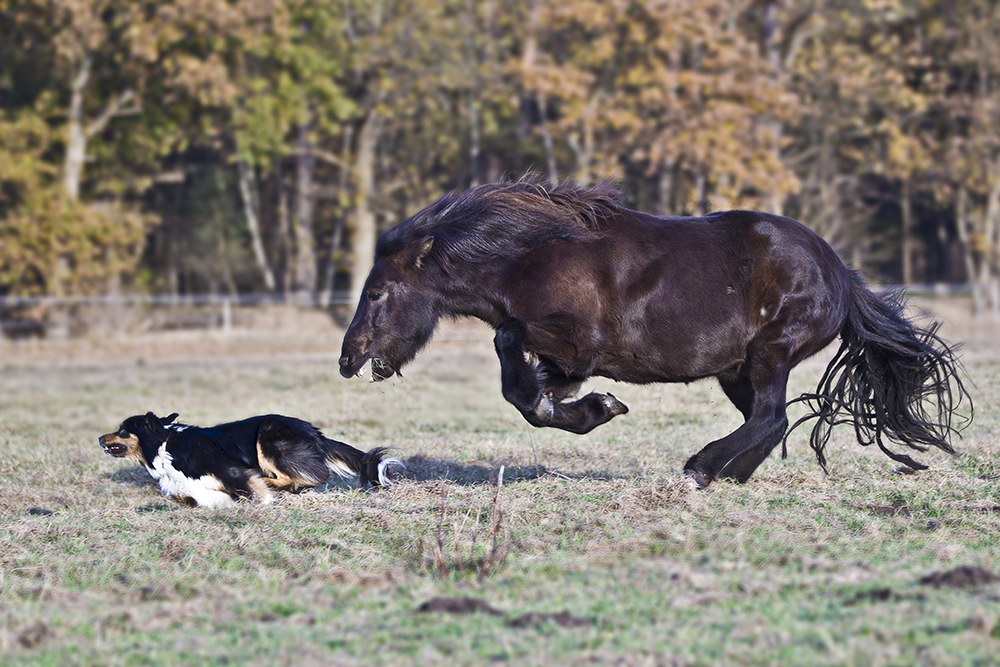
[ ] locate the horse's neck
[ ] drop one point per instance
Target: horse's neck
(475, 293)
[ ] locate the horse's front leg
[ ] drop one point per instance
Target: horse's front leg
(529, 388)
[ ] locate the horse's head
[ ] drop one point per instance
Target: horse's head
(396, 315)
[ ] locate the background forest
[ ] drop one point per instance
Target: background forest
(220, 146)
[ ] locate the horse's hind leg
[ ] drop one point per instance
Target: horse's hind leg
(526, 386)
(760, 396)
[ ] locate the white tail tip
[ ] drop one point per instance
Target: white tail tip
(390, 470)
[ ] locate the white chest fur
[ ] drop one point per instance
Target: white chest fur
(206, 490)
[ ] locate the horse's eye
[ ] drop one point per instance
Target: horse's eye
(374, 296)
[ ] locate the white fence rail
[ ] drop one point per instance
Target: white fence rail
(63, 317)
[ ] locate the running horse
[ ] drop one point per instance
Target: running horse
(577, 285)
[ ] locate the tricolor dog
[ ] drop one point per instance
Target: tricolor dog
(215, 466)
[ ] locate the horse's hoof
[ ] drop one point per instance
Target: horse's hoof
(614, 406)
(545, 409)
(700, 479)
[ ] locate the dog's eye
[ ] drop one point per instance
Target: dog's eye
(123, 433)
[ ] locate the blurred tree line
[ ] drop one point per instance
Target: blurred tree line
(185, 146)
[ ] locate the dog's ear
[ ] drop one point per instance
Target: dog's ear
(155, 426)
(170, 419)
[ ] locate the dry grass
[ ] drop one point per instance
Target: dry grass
(794, 567)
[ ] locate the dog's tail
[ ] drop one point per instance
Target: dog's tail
(372, 467)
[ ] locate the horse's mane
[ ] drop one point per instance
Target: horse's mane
(505, 219)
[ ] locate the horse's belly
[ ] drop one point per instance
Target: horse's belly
(669, 353)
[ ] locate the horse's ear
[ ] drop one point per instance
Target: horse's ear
(418, 250)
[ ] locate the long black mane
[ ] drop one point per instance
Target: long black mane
(505, 219)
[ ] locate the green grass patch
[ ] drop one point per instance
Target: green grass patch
(795, 567)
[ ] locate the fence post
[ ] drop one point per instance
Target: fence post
(995, 298)
(227, 314)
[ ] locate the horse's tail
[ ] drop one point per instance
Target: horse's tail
(890, 379)
(372, 467)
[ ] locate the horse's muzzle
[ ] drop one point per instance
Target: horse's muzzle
(349, 365)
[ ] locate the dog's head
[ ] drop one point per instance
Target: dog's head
(127, 441)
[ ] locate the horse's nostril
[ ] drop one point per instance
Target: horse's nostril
(346, 360)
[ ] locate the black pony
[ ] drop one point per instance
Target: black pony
(577, 285)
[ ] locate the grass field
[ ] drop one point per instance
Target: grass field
(593, 551)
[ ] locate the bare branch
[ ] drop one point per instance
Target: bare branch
(125, 104)
(321, 155)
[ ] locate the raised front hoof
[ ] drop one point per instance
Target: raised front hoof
(614, 406)
(701, 480)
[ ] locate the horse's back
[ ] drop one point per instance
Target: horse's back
(676, 298)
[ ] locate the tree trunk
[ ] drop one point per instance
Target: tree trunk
(285, 247)
(584, 149)
(665, 190)
(363, 232)
(79, 132)
(907, 240)
(473, 139)
(962, 226)
(700, 188)
(305, 247)
(991, 242)
(334, 256)
(547, 140)
(247, 190)
(224, 260)
(76, 135)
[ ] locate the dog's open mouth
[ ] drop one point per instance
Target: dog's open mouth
(114, 448)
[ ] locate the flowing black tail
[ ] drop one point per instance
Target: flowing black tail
(890, 379)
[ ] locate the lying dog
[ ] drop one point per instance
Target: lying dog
(215, 466)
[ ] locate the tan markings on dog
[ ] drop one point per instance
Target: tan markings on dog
(261, 493)
(278, 478)
(131, 451)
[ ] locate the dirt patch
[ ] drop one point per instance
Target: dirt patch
(873, 595)
(458, 606)
(966, 576)
(534, 619)
(888, 510)
(175, 547)
(34, 635)
(40, 511)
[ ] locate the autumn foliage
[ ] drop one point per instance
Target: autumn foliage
(223, 145)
